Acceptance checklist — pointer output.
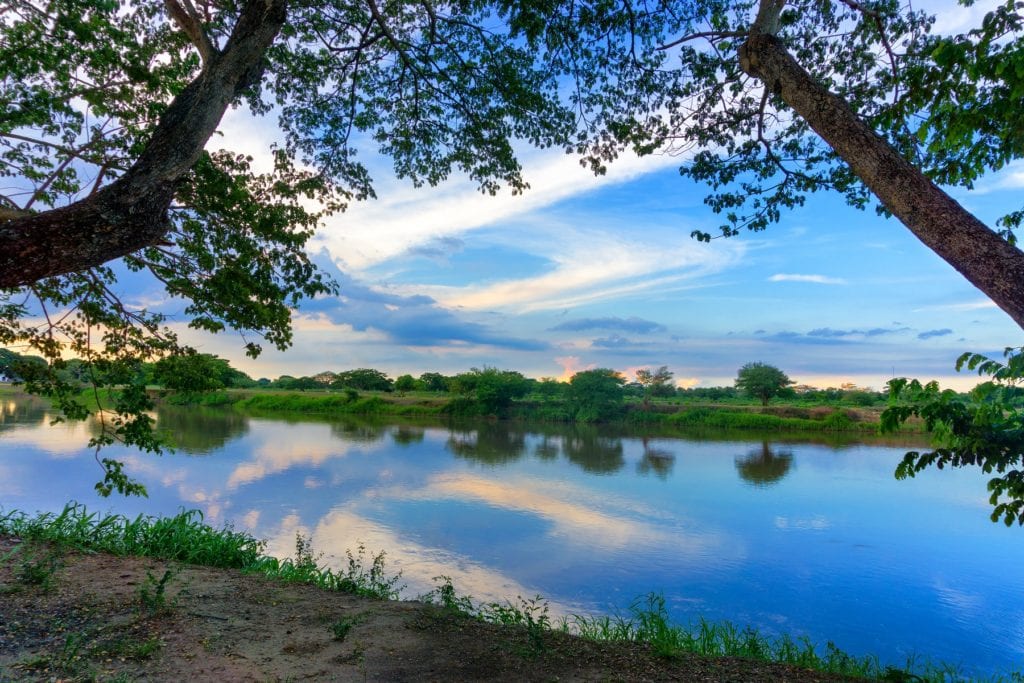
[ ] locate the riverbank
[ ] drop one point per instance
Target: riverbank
(88, 598)
(662, 414)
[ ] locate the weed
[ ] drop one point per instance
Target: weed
(153, 592)
(370, 582)
(341, 627)
(446, 596)
(37, 566)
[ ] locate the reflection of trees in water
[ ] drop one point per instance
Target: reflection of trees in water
(198, 430)
(404, 435)
(548, 448)
(494, 443)
(764, 466)
(656, 460)
(357, 430)
(587, 447)
(25, 410)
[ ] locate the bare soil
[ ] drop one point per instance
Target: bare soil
(89, 620)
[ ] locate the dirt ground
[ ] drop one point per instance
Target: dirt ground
(100, 617)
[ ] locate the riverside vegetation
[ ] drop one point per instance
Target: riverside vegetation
(174, 596)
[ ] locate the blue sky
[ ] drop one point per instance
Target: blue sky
(586, 272)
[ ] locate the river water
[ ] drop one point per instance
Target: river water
(783, 534)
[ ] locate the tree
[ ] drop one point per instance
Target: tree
(433, 381)
(596, 395)
(405, 383)
(657, 383)
(363, 379)
(191, 372)
(984, 429)
(492, 390)
(762, 381)
(109, 108)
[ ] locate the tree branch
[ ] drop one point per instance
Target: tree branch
(185, 16)
(131, 212)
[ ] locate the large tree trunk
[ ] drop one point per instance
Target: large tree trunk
(982, 256)
(131, 212)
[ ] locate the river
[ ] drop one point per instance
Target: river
(784, 534)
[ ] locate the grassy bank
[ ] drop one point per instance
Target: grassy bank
(185, 538)
(815, 418)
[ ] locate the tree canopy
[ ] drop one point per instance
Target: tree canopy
(110, 107)
(762, 381)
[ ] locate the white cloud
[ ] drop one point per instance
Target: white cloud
(963, 306)
(375, 231)
(818, 279)
(600, 263)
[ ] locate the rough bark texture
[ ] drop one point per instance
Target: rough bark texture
(987, 260)
(131, 212)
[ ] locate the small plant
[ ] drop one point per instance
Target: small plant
(370, 582)
(530, 614)
(341, 627)
(446, 596)
(153, 592)
(39, 569)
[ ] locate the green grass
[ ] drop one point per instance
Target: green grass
(333, 404)
(185, 538)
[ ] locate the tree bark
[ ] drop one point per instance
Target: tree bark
(981, 255)
(131, 212)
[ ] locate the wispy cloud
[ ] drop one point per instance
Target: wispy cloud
(589, 265)
(372, 232)
(963, 306)
(817, 279)
(935, 333)
(613, 342)
(631, 324)
(828, 332)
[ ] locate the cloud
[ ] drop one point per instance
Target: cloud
(935, 333)
(873, 332)
(409, 320)
(595, 264)
(964, 306)
(631, 324)
(438, 249)
(375, 231)
(612, 342)
(817, 279)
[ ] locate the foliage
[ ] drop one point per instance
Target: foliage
(491, 390)
(433, 381)
(762, 380)
(985, 429)
(190, 371)
(363, 379)
(405, 383)
(596, 395)
(656, 383)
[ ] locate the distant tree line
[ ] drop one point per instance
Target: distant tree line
(590, 396)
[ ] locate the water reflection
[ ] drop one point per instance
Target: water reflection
(198, 430)
(765, 466)
(491, 443)
(358, 430)
(404, 435)
(660, 461)
(593, 451)
(22, 412)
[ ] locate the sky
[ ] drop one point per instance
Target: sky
(583, 271)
